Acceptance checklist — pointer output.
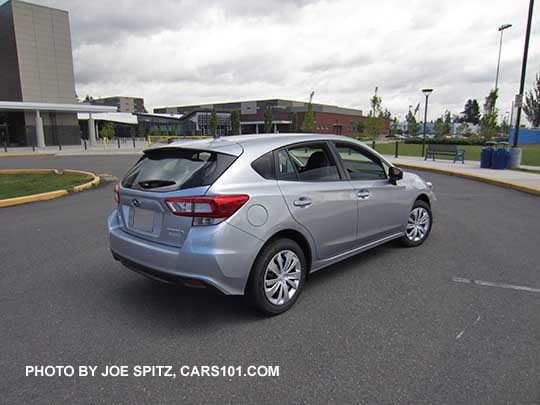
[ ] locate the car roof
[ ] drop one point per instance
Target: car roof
(262, 142)
(256, 145)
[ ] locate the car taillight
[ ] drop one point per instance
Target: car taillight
(116, 193)
(207, 210)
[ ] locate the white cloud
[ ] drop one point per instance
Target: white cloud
(182, 52)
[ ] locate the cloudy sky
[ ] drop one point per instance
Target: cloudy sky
(174, 52)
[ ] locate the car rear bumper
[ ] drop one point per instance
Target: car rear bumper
(220, 256)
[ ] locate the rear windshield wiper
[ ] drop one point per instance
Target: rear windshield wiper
(156, 183)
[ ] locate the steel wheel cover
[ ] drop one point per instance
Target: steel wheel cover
(418, 224)
(282, 277)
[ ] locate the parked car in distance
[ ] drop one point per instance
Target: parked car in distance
(253, 215)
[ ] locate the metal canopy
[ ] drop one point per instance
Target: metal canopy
(75, 107)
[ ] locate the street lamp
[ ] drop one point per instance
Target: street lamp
(501, 29)
(426, 92)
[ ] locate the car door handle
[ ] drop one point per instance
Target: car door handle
(363, 194)
(302, 202)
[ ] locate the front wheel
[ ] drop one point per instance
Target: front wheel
(418, 224)
(276, 277)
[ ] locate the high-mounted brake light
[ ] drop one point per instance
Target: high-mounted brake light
(117, 193)
(207, 210)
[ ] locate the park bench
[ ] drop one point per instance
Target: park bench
(445, 150)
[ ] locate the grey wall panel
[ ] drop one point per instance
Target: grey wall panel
(10, 88)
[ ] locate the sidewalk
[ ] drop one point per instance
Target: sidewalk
(518, 180)
(126, 148)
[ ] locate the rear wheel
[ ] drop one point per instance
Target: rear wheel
(418, 224)
(276, 277)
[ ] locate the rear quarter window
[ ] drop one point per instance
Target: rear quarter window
(176, 169)
(264, 166)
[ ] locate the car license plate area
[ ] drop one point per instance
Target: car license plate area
(143, 220)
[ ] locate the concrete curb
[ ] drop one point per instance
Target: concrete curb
(6, 155)
(51, 194)
(500, 183)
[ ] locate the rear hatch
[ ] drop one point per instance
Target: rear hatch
(164, 173)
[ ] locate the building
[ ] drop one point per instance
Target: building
(329, 119)
(36, 66)
(124, 104)
(136, 124)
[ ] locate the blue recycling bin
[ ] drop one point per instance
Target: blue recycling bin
(486, 155)
(500, 159)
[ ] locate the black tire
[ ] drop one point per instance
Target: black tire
(255, 289)
(405, 239)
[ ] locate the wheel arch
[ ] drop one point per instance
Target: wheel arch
(423, 197)
(296, 236)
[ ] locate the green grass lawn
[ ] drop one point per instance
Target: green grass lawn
(531, 153)
(21, 184)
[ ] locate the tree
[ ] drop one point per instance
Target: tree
(376, 104)
(213, 124)
(464, 129)
(488, 122)
(141, 132)
(531, 106)
(108, 130)
(373, 126)
(156, 131)
(235, 122)
(308, 125)
(412, 125)
(471, 112)
(505, 126)
(394, 127)
(440, 128)
(443, 124)
(268, 118)
(294, 122)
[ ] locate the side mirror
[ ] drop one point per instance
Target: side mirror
(395, 174)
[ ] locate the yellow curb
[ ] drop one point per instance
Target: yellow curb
(501, 183)
(16, 171)
(31, 198)
(26, 154)
(51, 194)
(92, 183)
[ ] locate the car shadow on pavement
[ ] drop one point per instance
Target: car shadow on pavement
(160, 304)
(165, 304)
(360, 262)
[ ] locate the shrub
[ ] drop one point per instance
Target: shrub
(471, 140)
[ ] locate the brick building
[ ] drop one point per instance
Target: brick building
(329, 119)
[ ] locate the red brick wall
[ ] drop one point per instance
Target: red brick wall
(324, 121)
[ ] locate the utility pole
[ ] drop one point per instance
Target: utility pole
(515, 157)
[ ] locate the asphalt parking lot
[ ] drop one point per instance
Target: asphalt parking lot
(388, 326)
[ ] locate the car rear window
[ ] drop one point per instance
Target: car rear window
(176, 169)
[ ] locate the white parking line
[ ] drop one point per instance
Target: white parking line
(495, 284)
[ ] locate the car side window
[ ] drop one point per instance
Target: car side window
(264, 166)
(360, 164)
(285, 167)
(313, 162)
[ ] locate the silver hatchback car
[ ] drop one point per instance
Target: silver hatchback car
(254, 214)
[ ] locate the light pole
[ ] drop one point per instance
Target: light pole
(426, 92)
(515, 157)
(501, 29)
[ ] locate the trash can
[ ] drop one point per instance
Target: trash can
(505, 155)
(486, 155)
(500, 159)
